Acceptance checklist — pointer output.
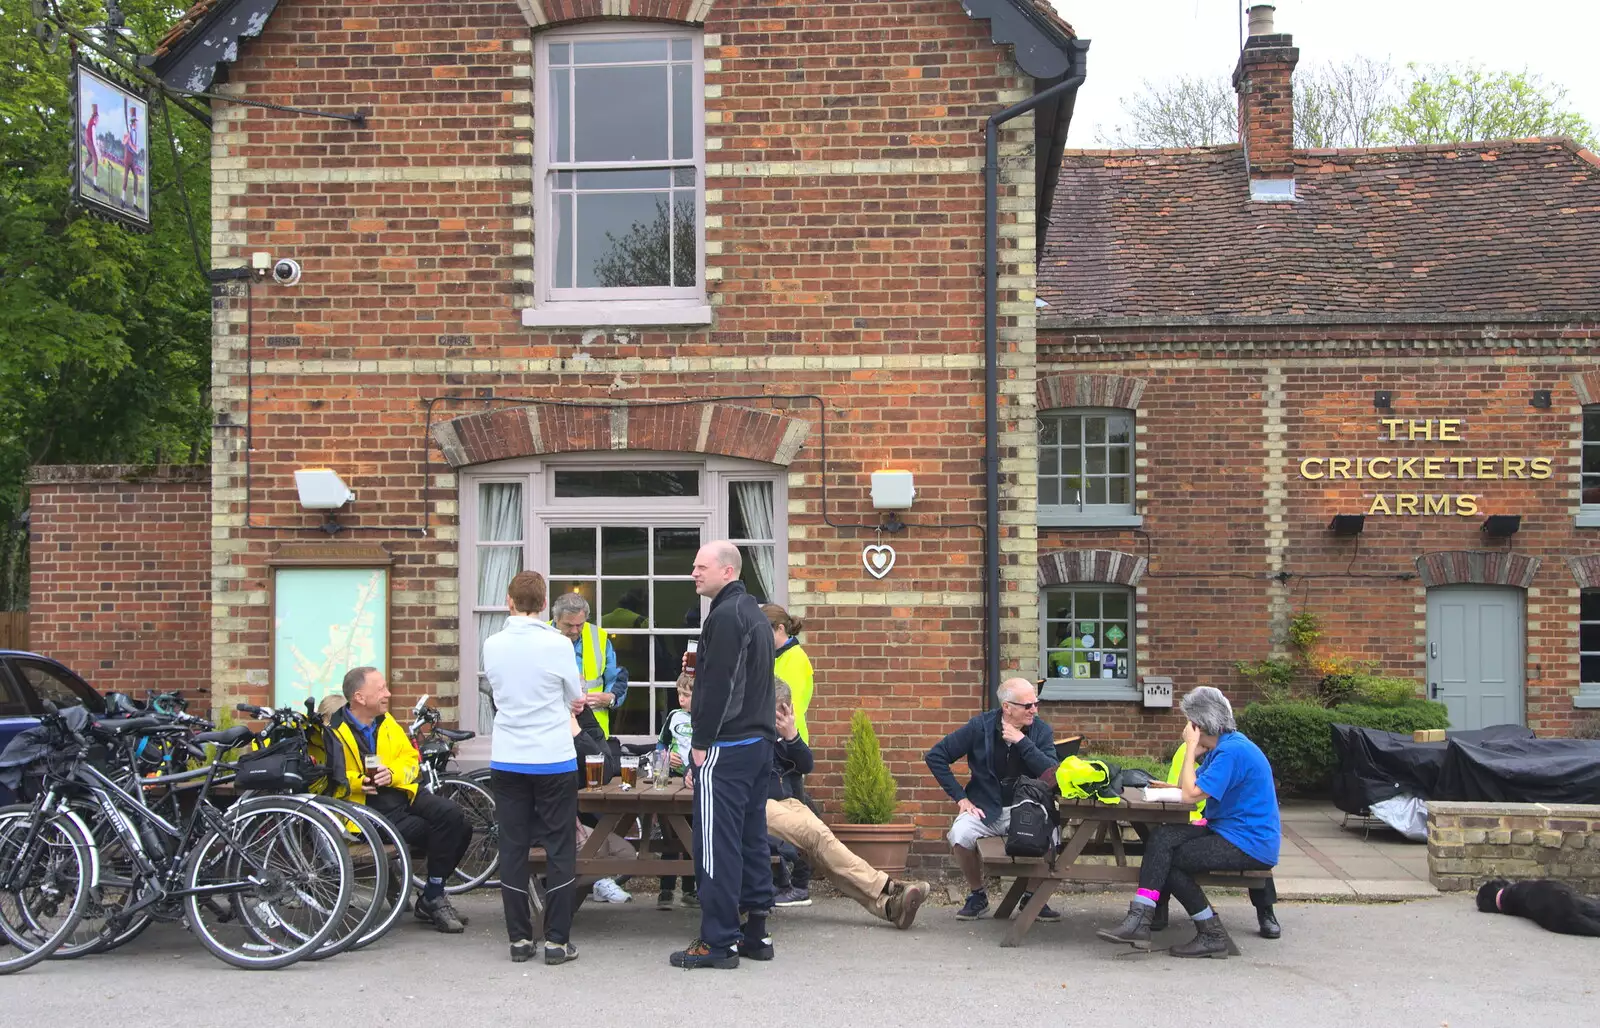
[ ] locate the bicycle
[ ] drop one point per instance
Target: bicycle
(437, 751)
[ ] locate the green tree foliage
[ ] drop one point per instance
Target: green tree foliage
(104, 332)
(869, 788)
(658, 253)
(1454, 103)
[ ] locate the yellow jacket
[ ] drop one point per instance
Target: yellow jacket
(395, 752)
(794, 667)
(1175, 774)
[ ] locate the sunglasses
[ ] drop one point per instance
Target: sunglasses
(1025, 706)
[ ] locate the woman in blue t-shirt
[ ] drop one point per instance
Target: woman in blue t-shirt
(1241, 832)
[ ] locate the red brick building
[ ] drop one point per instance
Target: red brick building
(1403, 335)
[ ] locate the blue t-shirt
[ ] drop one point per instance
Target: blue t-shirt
(1243, 807)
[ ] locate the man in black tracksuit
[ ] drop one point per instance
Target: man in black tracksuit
(734, 728)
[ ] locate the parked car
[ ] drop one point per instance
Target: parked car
(27, 682)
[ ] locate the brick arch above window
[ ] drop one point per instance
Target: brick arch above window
(1586, 570)
(1587, 386)
(545, 13)
(1063, 567)
(1055, 391)
(1477, 567)
(529, 431)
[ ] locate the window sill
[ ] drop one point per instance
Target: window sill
(1588, 519)
(1589, 699)
(1089, 689)
(1091, 521)
(614, 315)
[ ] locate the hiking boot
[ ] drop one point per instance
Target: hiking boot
(559, 952)
(1134, 929)
(975, 906)
(664, 899)
(1210, 940)
(792, 897)
(698, 954)
(1268, 921)
(1159, 922)
(1047, 915)
(759, 949)
(904, 899)
(522, 951)
(441, 915)
(610, 892)
(689, 899)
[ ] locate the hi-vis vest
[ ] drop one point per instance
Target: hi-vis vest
(593, 667)
(1173, 775)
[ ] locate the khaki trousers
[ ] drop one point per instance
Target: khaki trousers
(794, 823)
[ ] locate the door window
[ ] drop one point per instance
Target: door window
(52, 685)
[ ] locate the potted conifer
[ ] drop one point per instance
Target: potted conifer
(869, 803)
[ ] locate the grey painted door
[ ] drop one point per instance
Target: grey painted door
(1475, 654)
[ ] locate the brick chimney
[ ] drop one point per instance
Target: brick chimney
(1266, 106)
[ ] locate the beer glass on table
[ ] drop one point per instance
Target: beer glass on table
(630, 772)
(594, 770)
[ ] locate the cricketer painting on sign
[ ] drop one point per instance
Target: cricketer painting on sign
(111, 166)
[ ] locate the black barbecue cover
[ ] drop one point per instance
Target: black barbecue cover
(1373, 765)
(1520, 771)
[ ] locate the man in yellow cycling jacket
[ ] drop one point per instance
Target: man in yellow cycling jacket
(604, 680)
(364, 728)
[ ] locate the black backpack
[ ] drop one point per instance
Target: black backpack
(1034, 828)
(283, 766)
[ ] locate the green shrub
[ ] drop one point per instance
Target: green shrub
(1297, 739)
(869, 788)
(1157, 768)
(1273, 677)
(1386, 691)
(1588, 728)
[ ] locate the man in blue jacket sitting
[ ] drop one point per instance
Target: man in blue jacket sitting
(999, 746)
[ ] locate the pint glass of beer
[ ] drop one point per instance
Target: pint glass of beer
(630, 772)
(594, 770)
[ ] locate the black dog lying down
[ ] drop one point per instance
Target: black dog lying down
(1555, 906)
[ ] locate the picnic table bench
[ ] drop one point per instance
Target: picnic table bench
(1096, 829)
(618, 809)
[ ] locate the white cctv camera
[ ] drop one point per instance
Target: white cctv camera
(286, 272)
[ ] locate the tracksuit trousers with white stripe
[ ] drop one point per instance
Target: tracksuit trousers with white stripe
(733, 862)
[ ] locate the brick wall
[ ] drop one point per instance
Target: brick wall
(121, 577)
(845, 260)
(1224, 420)
(1470, 843)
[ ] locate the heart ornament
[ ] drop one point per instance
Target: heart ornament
(878, 559)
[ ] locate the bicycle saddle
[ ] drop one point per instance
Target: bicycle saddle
(227, 739)
(455, 734)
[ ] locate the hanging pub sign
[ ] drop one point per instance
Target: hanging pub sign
(111, 151)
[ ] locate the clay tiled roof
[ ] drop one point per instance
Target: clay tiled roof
(1469, 230)
(1048, 10)
(184, 25)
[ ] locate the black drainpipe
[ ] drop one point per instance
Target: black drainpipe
(991, 360)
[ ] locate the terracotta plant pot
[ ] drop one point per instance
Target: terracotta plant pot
(883, 846)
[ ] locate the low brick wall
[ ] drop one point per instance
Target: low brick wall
(1470, 843)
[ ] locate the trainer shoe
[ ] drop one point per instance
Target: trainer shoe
(664, 899)
(609, 891)
(975, 906)
(759, 949)
(440, 914)
(792, 897)
(559, 952)
(698, 954)
(522, 951)
(690, 899)
(904, 900)
(1046, 915)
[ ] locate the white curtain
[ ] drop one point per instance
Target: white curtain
(499, 520)
(755, 504)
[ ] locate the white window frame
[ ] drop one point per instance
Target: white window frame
(540, 511)
(1588, 513)
(1102, 689)
(1588, 692)
(670, 305)
(1084, 514)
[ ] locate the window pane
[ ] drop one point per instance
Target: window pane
(1115, 605)
(682, 49)
(1049, 461)
(675, 605)
(1094, 430)
(750, 510)
(488, 624)
(685, 238)
(50, 687)
(623, 603)
(560, 587)
(1096, 456)
(620, 113)
(561, 114)
(620, 50)
(1591, 605)
(1119, 430)
(633, 653)
(624, 240)
(623, 551)
(1118, 491)
(1589, 670)
(627, 484)
(683, 127)
(560, 53)
(562, 259)
(1049, 431)
(760, 571)
(624, 179)
(499, 512)
(1096, 495)
(497, 566)
(1086, 605)
(571, 552)
(1071, 430)
(1072, 461)
(1591, 459)
(1589, 638)
(1050, 492)
(675, 550)
(1591, 424)
(1121, 460)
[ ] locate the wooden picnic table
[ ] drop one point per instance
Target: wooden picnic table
(618, 809)
(1096, 830)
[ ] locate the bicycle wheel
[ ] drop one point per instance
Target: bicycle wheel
(394, 903)
(271, 887)
(482, 858)
(369, 888)
(53, 874)
(102, 926)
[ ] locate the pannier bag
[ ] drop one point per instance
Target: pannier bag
(285, 765)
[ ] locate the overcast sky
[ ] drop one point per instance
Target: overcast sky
(1134, 40)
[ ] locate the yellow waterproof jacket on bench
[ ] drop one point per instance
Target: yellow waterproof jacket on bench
(395, 752)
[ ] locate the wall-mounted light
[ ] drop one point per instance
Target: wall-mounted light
(1347, 524)
(1541, 399)
(1382, 400)
(1502, 526)
(322, 489)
